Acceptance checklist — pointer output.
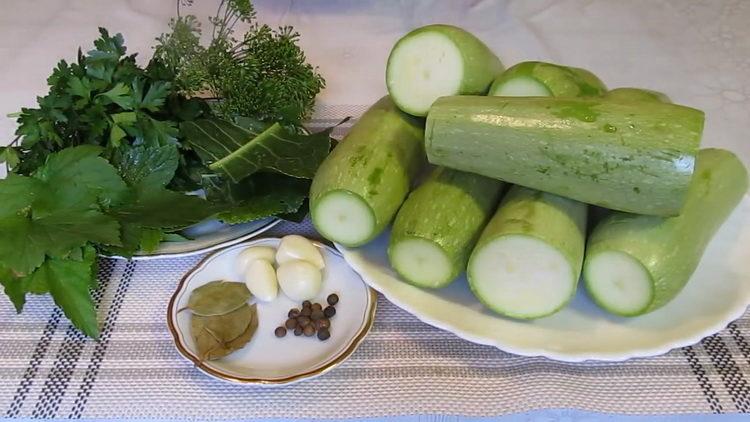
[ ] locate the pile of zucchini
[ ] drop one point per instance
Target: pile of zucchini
(520, 158)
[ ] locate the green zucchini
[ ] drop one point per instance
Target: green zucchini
(629, 156)
(636, 264)
(539, 79)
(438, 225)
(438, 60)
(528, 260)
(636, 94)
(362, 183)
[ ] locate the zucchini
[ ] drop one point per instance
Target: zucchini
(362, 183)
(438, 225)
(438, 60)
(636, 94)
(539, 79)
(528, 260)
(636, 264)
(629, 156)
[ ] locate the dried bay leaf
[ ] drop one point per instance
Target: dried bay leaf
(218, 298)
(245, 337)
(205, 342)
(225, 327)
(215, 336)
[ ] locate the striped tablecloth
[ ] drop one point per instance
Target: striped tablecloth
(404, 367)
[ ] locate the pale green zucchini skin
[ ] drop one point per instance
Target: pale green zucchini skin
(670, 249)
(560, 81)
(558, 222)
(450, 210)
(480, 64)
(377, 162)
(637, 94)
(624, 155)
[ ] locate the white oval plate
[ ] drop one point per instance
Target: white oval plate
(266, 359)
(718, 293)
(208, 236)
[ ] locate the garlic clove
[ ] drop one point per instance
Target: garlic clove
(297, 247)
(260, 278)
(299, 280)
(252, 254)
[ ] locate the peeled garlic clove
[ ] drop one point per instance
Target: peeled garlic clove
(252, 254)
(260, 278)
(297, 247)
(299, 280)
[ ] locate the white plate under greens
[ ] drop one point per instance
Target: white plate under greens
(209, 236)
(266, 359)
(718, 293)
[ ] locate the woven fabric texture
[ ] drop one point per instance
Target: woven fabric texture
(404, 367)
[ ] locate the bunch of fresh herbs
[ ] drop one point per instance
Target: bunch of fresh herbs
(108, 161)
(263, 73)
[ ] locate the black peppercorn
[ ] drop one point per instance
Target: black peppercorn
(323, 334)
(329, 312)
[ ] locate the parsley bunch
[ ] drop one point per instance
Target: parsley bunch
(103, 99)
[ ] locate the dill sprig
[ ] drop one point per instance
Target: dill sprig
(262, 74)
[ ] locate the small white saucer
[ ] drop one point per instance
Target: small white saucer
(266, 359)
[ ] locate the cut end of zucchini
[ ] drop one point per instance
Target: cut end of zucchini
(344, 217)
(521, 277)
(421, 262)
(522, 86)
(618, 283)
(422, 68)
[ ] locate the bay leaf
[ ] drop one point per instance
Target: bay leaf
(225, 327)
(211, 346)
(218, 298)
(206, 343)
(246, 336)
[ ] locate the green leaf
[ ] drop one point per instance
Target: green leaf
(150, 240)
(79, 87)
(69, 282)
(120, 95)
(160, 208)
(115, 135)
(152, 132)
(272, 195)
(26, 241)
(237, 152)
(156, 96)
(17, 193)
(263, 206)
(130, 239)
(151, 166)
(56, 211)
(125, 118)
(14, 287)
(82, 167)
(36, 284)
(299, 215)
(10, 156)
